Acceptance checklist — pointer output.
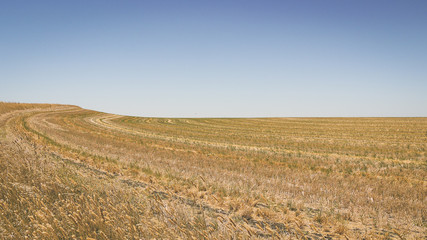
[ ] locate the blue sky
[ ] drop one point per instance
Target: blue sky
(218, 58)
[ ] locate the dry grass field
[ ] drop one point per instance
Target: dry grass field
(72, 173)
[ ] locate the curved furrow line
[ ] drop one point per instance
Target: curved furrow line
(107, 123)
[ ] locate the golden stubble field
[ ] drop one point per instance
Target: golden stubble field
(72, 173)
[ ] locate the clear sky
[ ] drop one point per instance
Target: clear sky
(218, 58)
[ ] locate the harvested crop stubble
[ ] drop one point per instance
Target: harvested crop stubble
(67, 172)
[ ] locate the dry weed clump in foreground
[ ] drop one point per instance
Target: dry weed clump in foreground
(71, 173)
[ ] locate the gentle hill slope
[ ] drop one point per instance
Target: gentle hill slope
(68, 172)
